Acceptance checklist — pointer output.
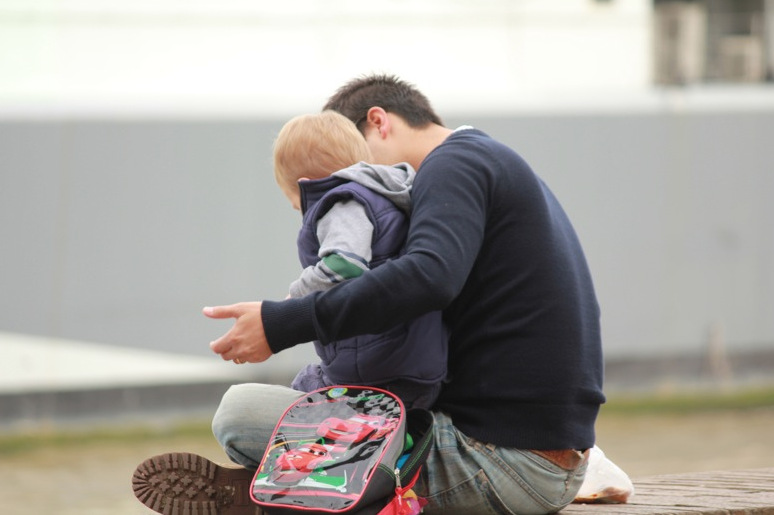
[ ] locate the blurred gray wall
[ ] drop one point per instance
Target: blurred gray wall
(120, 231)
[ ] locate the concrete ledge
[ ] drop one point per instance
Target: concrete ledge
(47, 381)
(42, 364)
(109, 405)
(739, 492)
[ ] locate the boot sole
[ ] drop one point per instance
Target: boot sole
(182, 483)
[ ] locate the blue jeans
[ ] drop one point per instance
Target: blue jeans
(462, 475)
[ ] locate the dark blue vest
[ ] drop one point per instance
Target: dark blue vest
(416, 350)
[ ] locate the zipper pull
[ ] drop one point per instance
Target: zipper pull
(399, 506)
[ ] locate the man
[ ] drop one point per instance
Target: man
(489, 245)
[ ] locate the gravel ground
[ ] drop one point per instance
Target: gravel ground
(95, 478)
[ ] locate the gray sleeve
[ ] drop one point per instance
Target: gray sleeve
(345, 234)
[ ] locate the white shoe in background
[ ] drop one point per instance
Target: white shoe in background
(605, 482)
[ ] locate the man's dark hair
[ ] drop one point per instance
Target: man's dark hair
(355, 98)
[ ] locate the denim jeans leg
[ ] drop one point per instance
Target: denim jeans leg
(464, 476)
(246, 418)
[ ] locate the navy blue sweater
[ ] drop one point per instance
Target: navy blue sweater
(490, 245)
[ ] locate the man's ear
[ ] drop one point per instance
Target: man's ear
(378, 118)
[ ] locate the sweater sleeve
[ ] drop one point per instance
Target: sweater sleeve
(345, 235)
(449, 196)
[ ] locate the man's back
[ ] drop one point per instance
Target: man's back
(525, 349)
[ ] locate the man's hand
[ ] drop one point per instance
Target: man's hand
(245, 342)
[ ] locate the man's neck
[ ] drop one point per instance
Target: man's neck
(425, 140)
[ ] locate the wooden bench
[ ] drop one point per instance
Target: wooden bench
(739, 492)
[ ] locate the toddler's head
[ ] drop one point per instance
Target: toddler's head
(313, 146)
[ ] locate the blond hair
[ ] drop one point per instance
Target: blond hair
(316, 145)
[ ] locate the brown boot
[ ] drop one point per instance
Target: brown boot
(181, 483)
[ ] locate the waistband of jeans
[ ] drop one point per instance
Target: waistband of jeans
(567, 459)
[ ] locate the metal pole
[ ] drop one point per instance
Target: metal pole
(768, 37)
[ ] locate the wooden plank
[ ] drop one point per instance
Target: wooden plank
(739, 492)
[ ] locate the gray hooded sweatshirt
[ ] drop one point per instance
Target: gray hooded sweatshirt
(345, 231)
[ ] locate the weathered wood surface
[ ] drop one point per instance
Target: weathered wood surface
(739, 492)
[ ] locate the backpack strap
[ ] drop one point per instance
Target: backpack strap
(420, 427)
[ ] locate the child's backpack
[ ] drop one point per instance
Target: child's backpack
(347, 450)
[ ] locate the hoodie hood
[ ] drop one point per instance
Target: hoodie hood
(392, 182)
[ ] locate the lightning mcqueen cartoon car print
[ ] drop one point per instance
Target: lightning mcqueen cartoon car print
(294, 465)
(355, 429)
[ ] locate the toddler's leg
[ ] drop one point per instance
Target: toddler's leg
(310, 378)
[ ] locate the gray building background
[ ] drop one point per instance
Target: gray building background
(120, 231)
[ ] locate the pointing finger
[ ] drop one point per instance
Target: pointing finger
(231, 311)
